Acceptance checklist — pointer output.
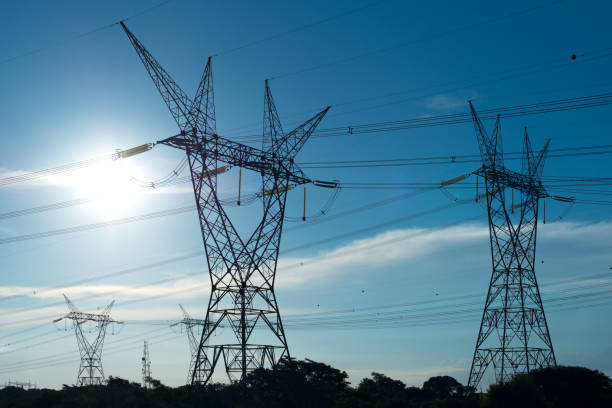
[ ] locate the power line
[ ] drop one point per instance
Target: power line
(463, 84)
(420, 40)
(106, 294)
(397, 162)
(558, 105)
(288, 267)
(438, 315)
(60, 358)
(29, 176)
(299, 28)
(362, 208)
(97, 225)
(190, 255)
(184, 276)
(451, 159)
(181, 210)
(79, 36)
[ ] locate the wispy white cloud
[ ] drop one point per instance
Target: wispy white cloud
(401, 246)
(88, 291)
(391, 249)
(444, 102)
(394, 247)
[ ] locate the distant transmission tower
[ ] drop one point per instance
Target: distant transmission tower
(242, 272)
(513, 334)
(26, 385)
(194, 329)
(90, 370)
(146, 367)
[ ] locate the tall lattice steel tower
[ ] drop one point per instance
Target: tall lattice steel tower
(90, 369)
(513, 334)
(146, 366)
(242, 271)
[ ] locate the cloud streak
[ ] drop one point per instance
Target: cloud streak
(394, 249)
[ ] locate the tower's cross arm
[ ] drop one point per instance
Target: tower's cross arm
(508, 178)
(240, 155)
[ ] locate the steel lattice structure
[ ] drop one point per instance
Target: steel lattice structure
(242, 272)
(90, 369)
(146, 366)
(513, 334)
(194, 329)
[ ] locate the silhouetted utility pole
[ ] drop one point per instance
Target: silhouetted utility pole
(242, 272)
(90, 370)
(513, 334)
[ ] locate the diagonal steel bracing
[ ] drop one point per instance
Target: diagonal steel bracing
(90, 369)
(513, 335)
(242, 272)
(194, 328)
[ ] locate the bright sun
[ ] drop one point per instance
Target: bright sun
(110, 183)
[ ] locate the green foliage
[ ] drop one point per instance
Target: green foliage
(557, 387)
(305, 384)
(444, 387)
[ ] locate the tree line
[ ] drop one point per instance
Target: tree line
(310, 384)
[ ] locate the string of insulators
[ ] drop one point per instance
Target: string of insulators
(278, 190)
(483, 195)
(175, 324)
(564, 199)
(544, 201)
(239, 184)
(454, 180)
(57, 320)
(214, 172)
(325, 184)
(123, 154)
(304, 207)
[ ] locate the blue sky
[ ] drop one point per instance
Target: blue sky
(86, 97)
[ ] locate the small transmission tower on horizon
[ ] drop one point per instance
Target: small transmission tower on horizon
(513, 334)
(242, 271)
(146, 367)
(90, 369)
(194, 328)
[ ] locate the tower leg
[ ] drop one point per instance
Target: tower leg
(513, 335)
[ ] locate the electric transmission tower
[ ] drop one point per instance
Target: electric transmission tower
(26, 385)
(513, 334)
(242, 271)
(90, 370)
(146, 367)
(194, 329)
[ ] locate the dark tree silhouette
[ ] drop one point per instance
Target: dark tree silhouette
(309, 384)
(444, 386)
(557, 387)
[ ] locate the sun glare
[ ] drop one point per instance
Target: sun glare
(110, 183)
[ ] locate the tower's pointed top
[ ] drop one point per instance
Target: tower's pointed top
(490, 146)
